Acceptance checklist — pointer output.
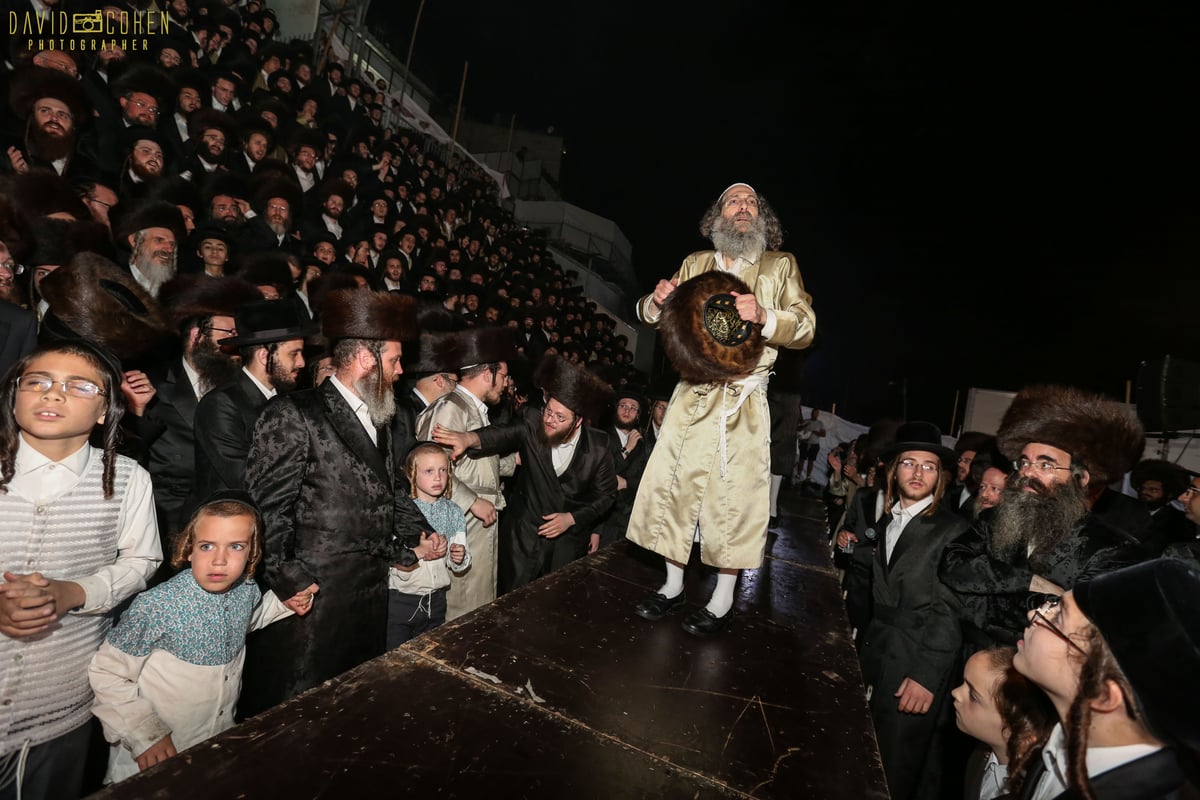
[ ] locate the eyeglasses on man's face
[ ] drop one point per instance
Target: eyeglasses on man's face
(1044, 467)
(1046, 609)
(923, 466)
(555, 417)
(40, 384)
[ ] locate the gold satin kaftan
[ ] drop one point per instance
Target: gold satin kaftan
(692, 476)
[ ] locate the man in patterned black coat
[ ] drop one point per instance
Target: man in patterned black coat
(320, 468)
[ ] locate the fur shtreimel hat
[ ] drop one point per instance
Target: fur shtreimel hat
(289, 190)
(196, 297)
(364, 314)
(575, 387)
(1102, 435)
(456, 350)
(1147, 616)
(155, 214)
(30, 84)
(433, 320)
(92, 298)
(702, 334)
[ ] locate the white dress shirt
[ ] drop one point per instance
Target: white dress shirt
(479, 404)
(900, 519)
(268, 391)
(359, 406)
(994, 776)
(1099, 759)
(562, 455)
(193, 378)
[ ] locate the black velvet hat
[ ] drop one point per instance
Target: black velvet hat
(920, 436)
(973, 440)
(1147, 615)
(266, 321)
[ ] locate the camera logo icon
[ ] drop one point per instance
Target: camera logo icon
(88, 23)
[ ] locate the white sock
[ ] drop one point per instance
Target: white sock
(776, 482)
(722, 596)
(674, 584)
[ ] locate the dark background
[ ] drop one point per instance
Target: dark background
(985, 197)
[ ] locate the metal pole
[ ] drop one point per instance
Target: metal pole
(408, 61)
(511, 124)
(462, 87)
(337, 19)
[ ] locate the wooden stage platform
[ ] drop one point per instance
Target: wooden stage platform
(560, 691)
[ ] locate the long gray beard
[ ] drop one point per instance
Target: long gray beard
(381, 406)
(732, 244)
(1036, 523)
(156, 274)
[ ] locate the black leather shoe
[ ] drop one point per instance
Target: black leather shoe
(657, 606)
(702, 623)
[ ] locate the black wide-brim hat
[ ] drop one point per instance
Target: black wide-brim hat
(704, 338)
(267, 321)
(1147, 616)
(924, 436)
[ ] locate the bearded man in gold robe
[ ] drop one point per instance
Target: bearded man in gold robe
(708, 477)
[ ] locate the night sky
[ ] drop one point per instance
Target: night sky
(984, 197)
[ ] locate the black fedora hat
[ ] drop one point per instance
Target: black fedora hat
(268, 321)
(924, 436)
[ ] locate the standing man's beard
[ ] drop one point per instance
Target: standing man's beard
(731, 243)
(212, 366)
(281, 228)
(556, 438)
(1036, 521)
(48, 146)
(380, 399)
(631, 426)
(282, 379)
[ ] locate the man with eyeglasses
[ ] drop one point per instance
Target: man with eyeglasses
(911, 645)
(478, 357)
(566, 482)
(1046, 533)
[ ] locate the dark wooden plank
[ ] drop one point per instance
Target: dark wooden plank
(592, 701)
(401, 725)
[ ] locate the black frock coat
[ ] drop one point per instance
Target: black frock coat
(970, 567)
(587, 489)
(166, 430)
(224, 425)
(914, 632)
(332, 517)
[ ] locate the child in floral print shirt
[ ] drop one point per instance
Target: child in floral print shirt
(170, 672)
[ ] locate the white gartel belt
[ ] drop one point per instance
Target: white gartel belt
(741, 390)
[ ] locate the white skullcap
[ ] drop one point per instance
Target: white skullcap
(739, 183)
